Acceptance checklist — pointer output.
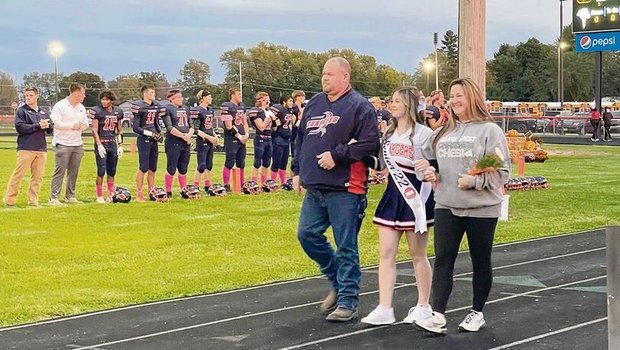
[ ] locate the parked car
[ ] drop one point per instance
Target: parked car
(522, 125)
(579, 123)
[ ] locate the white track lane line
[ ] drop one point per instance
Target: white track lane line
(130, 307)
(181, 329)
(544, 335)
(371, 329)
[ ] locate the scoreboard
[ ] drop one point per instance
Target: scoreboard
(596, 16)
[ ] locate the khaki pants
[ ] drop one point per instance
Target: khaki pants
(33, 160)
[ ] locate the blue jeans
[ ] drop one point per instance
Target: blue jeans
(343, 211)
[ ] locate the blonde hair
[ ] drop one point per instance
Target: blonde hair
(476, 108)
(259, 96)
(410, 98)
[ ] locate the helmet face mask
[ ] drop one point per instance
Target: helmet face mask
(190, 192)
(288, 185)
(251, 187)
(121, 195)
(270, 186)
(158, 194)
(216, 190)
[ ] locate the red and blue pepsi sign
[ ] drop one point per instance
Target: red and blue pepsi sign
(592, 42)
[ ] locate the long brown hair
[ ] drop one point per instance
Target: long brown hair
(476, 108)
(409, 96)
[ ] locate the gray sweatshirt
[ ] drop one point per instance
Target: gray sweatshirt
(456, 153)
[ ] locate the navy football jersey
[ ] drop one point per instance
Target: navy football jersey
(203, 120)
(108, 120)
(384, 115)
(258, 113)
(285, 118)
(146, 117)
(235, 114)
(177, 117)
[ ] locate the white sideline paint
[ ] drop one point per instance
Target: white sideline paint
(130, 307)
(175, 330)
(544, 335)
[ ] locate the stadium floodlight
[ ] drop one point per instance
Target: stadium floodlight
(56, 49)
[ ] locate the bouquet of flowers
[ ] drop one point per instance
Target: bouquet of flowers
(488, 163)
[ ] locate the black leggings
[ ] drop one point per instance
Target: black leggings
(449, 230)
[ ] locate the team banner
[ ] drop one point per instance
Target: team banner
(406, 189)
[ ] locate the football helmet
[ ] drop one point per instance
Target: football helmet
(288, 185)
(216, 190)
(270, 186)
(121, 195)
(158, 194)
(251, 187)
(190, 192)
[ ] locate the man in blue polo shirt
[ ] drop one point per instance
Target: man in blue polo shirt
(32, 124)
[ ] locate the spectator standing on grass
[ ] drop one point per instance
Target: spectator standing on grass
(338, 130)
(32, 124)
(70, 119)
(607, 117)
(595, 120)
(468, 201)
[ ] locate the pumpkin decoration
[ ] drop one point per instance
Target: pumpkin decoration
(530, 145)
(513, 133)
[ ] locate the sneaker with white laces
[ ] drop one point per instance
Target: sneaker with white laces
(435, 324)
(418, 312)
(100, 200)
(381, 315)
(472, 322)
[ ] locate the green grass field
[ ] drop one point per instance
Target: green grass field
(66, 260)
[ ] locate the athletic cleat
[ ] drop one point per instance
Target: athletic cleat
(101, 200)
(381, 315)
(472, 322)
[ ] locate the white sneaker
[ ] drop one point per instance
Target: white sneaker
(472, 322)
(434, 324)
(73, 200)
(381, 315)
(54, 202)
(100, 200)
(418, 312)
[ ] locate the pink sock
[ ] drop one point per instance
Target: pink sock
(282, 173)
(274, 175)
(168, 182)
(182, 180)
(226, 176)
(255, 178)
(110, 188)
(242, 176)
(99, 190)
(207, 183)
(263, 177)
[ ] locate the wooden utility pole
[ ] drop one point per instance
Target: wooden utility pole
(472, 41)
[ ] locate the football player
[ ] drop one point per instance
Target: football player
(299, 98)
(107, 133)
(206, 138)
(146, 114)
(179, 132)
(235, 136)
(261, 117)
(281, 137)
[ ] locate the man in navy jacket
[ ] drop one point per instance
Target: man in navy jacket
(338, 129)
(32, 124)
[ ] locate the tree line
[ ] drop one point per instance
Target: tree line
(526, 71)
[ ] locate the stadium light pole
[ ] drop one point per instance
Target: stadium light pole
(56, 49)
(561, 59)
(435, 41)
(428, 65)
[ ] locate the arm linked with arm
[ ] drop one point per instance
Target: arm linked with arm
(366, 135)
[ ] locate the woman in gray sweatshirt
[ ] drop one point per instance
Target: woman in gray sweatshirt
(467, 198)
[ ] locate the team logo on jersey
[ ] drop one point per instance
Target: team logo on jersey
(320, 125)
(401, 150)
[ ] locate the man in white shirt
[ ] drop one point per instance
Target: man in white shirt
(70, 119)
